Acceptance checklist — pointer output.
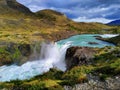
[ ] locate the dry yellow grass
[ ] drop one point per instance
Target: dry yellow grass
(17, 25)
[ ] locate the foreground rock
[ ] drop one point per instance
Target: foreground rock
(109, 84)
(76, 56)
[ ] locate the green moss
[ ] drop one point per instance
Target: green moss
(52, 74)
(77, 74)
(47, 84)
(23, 28)
(5, 57)
(107, 64)
(16, 56)
(14, 53)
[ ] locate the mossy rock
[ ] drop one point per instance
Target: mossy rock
(5, 57)
(5, 60)
(14, 53)
(77, 74)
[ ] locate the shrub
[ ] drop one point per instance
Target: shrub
(52, 74)
(77, 74)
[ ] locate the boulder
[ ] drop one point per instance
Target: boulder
(92, 43)
(76, 56)
(109, 84)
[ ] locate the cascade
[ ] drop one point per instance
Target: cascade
(52, 55)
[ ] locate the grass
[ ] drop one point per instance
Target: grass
(105, 65)
(40, 82)
(77, 74)
(107, 62)
(20, 28)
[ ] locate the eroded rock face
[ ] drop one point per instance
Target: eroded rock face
(25, 49)
(76, 56)
(18, 53)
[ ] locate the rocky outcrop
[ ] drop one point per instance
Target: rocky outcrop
(76, 56)
(92, 43)
(18, 53)
(25, 49)
(109, 84)
(12, 7)
(15, 5)
(114, 40)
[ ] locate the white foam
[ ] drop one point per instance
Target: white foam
(109, 35)
(51, 56)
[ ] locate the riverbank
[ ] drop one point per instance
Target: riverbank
(114, 40)
(104, 66)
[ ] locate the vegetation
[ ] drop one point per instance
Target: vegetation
(19, 27)
(77, 75)
(14, 53)
(115, 40)
(106, 64)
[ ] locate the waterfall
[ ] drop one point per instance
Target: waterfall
(52, 55)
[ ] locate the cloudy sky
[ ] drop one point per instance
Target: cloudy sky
(102, 11)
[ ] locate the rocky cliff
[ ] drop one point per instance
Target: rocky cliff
(77, 56)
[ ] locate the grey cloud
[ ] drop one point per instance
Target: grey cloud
(78, 8)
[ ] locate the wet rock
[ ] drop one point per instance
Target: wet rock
(100, 38)
(11, 47)
(25, 49)
(14, 53)
(5, 58)
(92, 43)
(76, 56)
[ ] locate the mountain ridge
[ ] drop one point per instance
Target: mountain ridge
(115, 22)
(19, 24)
(13, 4)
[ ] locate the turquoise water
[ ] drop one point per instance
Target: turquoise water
(51, 56)
(84, 39)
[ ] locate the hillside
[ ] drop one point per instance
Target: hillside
(115, 23)
(22, 54)
(11, 8)
(19, 24)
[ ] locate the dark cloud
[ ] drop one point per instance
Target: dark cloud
(77, 9)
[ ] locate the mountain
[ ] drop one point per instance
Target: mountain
(115, 23)
(21, 32)
(19, 24)
(12, 7)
